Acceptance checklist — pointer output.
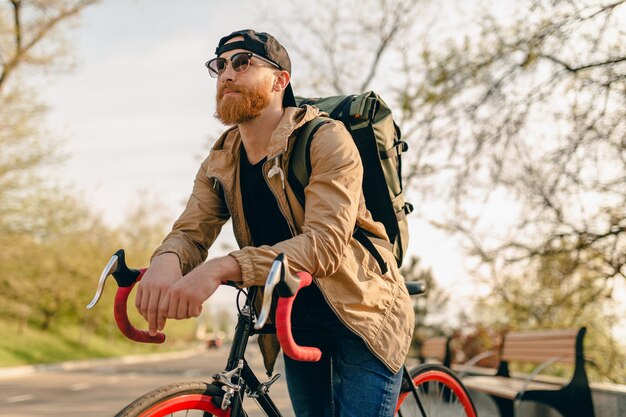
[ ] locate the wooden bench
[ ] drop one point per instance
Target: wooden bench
(437, 348)
(544, 348)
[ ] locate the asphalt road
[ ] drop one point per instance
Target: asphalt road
(103, 388)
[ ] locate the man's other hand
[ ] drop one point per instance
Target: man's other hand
(153, 288)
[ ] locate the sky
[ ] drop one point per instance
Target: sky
(136, 114)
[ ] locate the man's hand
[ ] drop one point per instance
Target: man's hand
(164, 271)
(185, 297)
(164, 293)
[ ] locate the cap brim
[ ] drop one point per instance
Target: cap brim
(289, 100)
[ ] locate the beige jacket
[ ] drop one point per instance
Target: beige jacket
(375, 306)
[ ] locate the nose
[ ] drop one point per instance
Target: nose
(228, 74)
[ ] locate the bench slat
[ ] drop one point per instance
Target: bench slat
(504, 387)
(543, 335)
(539, 359)
(541, 343)
(540, 346)
(533, 355)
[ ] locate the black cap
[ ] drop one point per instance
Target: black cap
(265, 45)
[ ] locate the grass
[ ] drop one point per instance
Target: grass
(27, 345)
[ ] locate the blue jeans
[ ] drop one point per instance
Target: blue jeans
(348, 381)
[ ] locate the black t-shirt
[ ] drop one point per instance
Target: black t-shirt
(265, 221)
(268, 226)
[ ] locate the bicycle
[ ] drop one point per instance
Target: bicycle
(428, 390)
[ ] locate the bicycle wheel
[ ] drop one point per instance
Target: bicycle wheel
(439, 393)
(183, 399)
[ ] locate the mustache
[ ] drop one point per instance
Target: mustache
(231, 86)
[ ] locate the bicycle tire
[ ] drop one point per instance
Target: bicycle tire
(440, 393)
(201, 398)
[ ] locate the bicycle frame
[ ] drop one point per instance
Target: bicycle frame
(238, 378)
(246, 381)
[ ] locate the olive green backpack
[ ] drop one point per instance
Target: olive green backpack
(377, 137)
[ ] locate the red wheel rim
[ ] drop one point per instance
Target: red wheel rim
(448, 382)
(186, 402)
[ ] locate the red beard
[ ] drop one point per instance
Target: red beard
(245, 105)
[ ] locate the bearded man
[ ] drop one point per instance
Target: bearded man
(366, 313)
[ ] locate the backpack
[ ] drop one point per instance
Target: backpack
(377, 137)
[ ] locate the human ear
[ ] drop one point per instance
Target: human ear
(281, 81)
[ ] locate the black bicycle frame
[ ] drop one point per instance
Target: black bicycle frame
(243, 331)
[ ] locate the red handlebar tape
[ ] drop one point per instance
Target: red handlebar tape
(121, 317)
(283, 326)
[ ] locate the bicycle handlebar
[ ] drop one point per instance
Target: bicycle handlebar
(121, 316)
(287, 287)
(126, 279)
(279, 278)
(283, 326)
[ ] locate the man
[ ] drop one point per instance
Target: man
(367, 314)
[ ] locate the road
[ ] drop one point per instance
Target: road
(104, 388)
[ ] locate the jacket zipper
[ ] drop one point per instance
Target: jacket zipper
(292, 228)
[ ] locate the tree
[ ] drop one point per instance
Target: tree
(29, 36)
(343, 47)
(526, 107)
(37, 220)
(50, 273)
(30, 43)
(515, 122)
(531, 113)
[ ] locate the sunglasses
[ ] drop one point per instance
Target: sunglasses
(239, 61)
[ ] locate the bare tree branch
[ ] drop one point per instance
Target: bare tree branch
(586, 66)
(21, 49)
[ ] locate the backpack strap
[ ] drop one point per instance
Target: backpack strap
(300, 165)
(300, 171)
(360, 235)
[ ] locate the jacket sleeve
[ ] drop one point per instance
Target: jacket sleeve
(199, 225)
(332, 201)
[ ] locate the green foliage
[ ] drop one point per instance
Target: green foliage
(558, 293)
(52, 248)
(48, 279)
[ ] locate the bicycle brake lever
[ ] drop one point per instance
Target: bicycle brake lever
(277, 271)
(110, 267)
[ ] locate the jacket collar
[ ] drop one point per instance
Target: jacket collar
(293, 119)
